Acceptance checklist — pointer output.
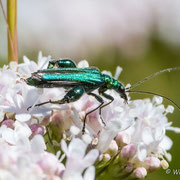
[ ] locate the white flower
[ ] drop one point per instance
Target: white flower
(77, 161)
(17, 136)
(83, 64)
(2, 113)
(50, 165)
(8, 81)
(25, 69)
(113, 126)
(148, 131)
(18, 102)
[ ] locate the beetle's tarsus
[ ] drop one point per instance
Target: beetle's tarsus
(102, 120)
(29, 108)
(83, 129)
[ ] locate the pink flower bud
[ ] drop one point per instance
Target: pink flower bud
(140, 172)
(9, 123)
(128, 151)
(106, 157)
(36, 129)
(122, 138)
(152, 163)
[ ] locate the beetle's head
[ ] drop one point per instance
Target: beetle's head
(122, 92)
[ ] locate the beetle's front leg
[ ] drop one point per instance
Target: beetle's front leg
(99, 99)
(107, 96)
(72, 95)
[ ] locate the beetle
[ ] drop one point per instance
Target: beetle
(77, 81)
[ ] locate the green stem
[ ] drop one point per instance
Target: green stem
(12, 30)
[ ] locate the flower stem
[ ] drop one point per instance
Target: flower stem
(12, 30)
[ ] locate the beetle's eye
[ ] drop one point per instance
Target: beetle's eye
(122, 87)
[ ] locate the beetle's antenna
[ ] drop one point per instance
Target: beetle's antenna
(146, 92)
(153, 75)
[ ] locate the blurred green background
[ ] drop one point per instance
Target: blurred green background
(41, 26)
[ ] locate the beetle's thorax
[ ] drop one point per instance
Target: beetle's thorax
(111, 83)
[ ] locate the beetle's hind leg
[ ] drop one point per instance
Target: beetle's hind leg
(72, 95)
(62, 63)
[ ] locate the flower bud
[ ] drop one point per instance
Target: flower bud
(164, 164)
(106, 157)
(36, 129)
(168, 156)
(100, 158)
(152, 163)
(140, 172)
(113, 148)
(157, 100)
(169, 109)
(122, 138)
(9, 123)
(128, 151)
(129, 167)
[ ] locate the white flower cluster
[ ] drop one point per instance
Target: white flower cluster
(134, 133)
(22, 157)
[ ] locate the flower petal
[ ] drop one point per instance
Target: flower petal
(91, 157)
(23, 117)
(89, 173)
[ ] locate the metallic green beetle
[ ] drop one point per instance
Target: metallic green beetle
(77, 81)
(64, 73)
